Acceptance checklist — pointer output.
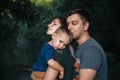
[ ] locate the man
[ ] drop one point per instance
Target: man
(92, 58)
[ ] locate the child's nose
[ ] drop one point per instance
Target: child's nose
(62, 46)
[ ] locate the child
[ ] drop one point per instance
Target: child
(60, 38)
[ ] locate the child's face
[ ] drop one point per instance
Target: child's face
(59, 41)
(53, 26)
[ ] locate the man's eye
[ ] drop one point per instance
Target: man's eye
(74, 23)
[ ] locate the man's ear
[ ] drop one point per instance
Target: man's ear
(86, 25)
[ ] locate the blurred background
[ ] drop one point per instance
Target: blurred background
(23, 25)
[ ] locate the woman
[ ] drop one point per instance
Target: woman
(64, 57)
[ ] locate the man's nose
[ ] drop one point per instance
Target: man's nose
(69, 26)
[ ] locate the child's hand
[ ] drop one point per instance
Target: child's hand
(61, 75)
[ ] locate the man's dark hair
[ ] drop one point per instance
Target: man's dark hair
(85, 16)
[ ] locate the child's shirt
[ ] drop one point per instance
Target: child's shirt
(46, 53)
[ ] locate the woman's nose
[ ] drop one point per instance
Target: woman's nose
(48, 25)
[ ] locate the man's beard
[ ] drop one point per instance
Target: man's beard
(78, 37)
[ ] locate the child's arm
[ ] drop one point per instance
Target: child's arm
(51, 74)
(54, 64)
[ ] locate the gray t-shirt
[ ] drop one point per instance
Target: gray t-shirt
(92, 56)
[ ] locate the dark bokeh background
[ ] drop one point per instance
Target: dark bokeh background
(23, 25)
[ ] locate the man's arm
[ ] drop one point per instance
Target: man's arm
(87, 74)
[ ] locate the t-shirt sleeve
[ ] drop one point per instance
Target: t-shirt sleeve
(91, 58)
(49, 54)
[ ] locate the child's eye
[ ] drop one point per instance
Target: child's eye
(63, 43)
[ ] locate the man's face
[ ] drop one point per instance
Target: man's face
(75, 24)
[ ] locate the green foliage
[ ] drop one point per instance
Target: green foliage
(22, 34)
(113, 67)
(41, 2)
(7, 42)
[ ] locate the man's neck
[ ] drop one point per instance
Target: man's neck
(83, 39)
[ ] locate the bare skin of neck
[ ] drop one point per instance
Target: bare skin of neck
(83, 38)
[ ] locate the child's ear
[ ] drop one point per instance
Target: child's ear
(53, 35)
